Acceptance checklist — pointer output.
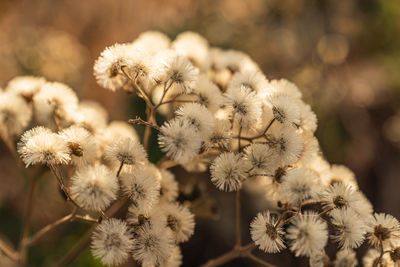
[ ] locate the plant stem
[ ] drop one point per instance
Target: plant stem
(259, 261)
(238, 219)
(120, 168)
(9, 252)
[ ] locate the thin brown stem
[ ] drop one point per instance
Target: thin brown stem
(147, 131)
(378, 261)
(56, 170)
(120, 168)
(259, 261)
(140, 92)
(9, 252)
(138, 120)
(238, 219)
(259, 135)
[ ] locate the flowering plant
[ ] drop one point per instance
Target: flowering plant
(222, 115)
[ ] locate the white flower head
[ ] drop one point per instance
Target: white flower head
(310, 148)
(82, 145)
(254, 81)
(266, 233)
(208, 93)
(193, 46)
(41, 146)
(299, 184)
(262, 158)
(283, 87)
(141, 187)
(340, 173)
(179, 219)
(221, 136)
(372, 256)
(127, 151)
(228, 171)
(54, 101)
(345, 258)
(382, 228)
(108, 68)
(307, 234)
(25, 86)
(287, 143)
(244, 106)
(285, 109)
(180, 140)
(198, 116)
(91, 116)
(152, 42)
(177, 72)
(94, 187)
(349, 228)
(319, 259)
(112, 242)
(15, 115)
(114, 131)
(308, 119)
(153, 244)
(169, 186)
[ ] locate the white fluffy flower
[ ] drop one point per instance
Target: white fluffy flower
(25, 86)
(41, 146)
(372, 256)
(177, 72)
(307, 234)
(382, 228)
(153, 244)
(349, 228)
(193, 46)
(221, 136)
(112, 242)
(266, 233)
(299, 184)
(152, 42)
(15, 115)
(310, 148)
(180, 140)
(127, 151)
(82, 145)
(287, 143)
(308, 119)
(262, 158)
(141, 187)
(208, 93)
(108, 67)
(198, 116)
(345, 258)
(54, 104)
(91, 116)
(319, 259)
(94, 187)
(283, 87)
(228, 171)
(244, 106)
(340, 173)
(252, 80)
(169, 186)
(285, 109)
(179, 219)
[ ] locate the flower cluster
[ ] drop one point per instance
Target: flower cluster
(222, 115)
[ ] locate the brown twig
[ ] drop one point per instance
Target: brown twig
(9, 252)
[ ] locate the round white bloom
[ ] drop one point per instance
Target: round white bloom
(152, 42)
(308, 233)
(308, 119)
(41, 146)
(198, 116)
(287, 143)
(285, 109)
(153, 244)
(262, 158)
(91, 116)
(177, 72)
(141, 187)
(112, 242)
(94, 187)
(283, 87)
(180, 140)
(340, 173)
(127, 151)
(349, 228)
(169, 186)
(266, 234)
(15, 115)
(108, 67)
(221, 136)
(55, 101)
(193, 46)
(244, 106)
(345, 258)
(179, 219)
(25, 86)
(310, 148)
(299, 184)
(254, 81)
(228, 171)
(233, 60)
(208, 93)
(382, 228)
(82, 145)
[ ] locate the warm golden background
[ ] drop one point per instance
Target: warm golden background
(344, 56)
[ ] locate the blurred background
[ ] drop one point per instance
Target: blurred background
(343, 55)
